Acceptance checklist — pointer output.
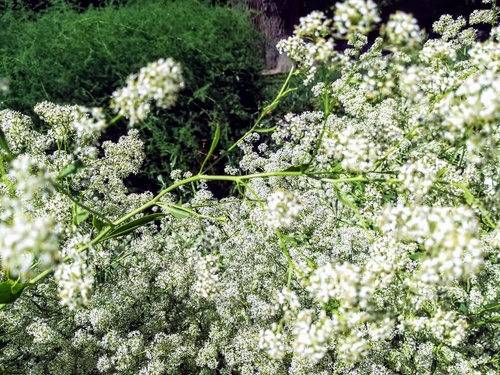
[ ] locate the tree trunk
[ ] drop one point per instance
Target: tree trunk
(275, 20)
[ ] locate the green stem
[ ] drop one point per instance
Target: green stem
(395, 148)
(236, 179)
(78, 203)
(267, 110)
(345, 199)
(288, 256)
(473, 201)
(5, 180)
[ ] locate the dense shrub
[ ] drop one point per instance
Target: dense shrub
(67, 57)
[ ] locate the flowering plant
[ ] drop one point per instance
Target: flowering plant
(360, 239)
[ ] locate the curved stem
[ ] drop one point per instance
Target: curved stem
(267, 110)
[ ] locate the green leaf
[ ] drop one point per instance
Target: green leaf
(441, 172)
(417, 255)
(492, 306)
(266, 130)
(176, 212)
(4, 145)
(163, 183)
(215, 141)
(300, 168)
(131, 226)
(80, 215)
(389, 197)
(17, 288)
(72, 168)
(97, 224)
(201, 93)
(10, 291)
(295, 240)
(463, 309)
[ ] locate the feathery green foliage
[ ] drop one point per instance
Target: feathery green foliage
(67, 57)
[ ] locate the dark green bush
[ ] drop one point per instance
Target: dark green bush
(81, 58)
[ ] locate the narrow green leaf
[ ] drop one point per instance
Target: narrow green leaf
(271, 107)
(468, 196)
(266, 130)
(345, 201)
(131, 226)
(163, 183)
(10, 291)
(492, 306)
(4, 145)
(215, 141)
(72, 168)
(300, 168)
(176, 212)
(492, 320)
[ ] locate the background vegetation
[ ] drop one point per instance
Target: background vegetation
(64, 56)
(74, 51)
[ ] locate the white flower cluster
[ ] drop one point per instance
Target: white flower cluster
(311, 339)
(335, 282)
(314, 40)
(403, 31)
(443, 326)
(272, 342)
(73, 127)
(75, 282)
(418, 177)
(20, 135)
(207, 278)
(383, 253)
(27, 237)
(303, 129)
(282, 209)
(286, 301)
(26, 241)
(450, 236)
(475, 100)
(355, 16)
(30, 177)
(483, 16)
(89, 123)
(357, 152)
(159, 82)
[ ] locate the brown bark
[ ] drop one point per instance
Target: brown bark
(275, 20)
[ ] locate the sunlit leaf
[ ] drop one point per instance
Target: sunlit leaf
(463, 309)
(176, 212)
(417, 255)
(80, 215)
(492, 306)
